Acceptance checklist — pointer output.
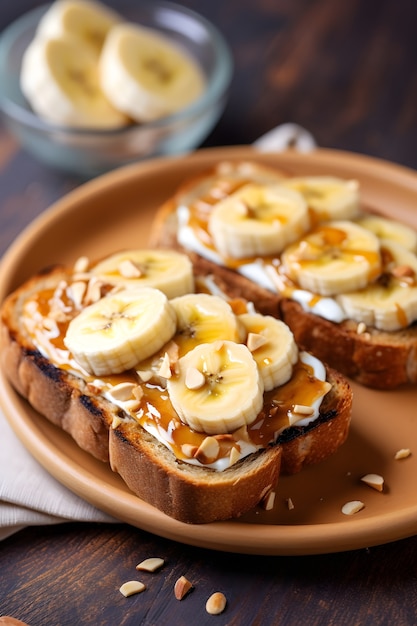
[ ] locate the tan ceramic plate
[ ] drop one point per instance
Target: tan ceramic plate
(116, 211)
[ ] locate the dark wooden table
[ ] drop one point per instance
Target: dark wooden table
(347, 71)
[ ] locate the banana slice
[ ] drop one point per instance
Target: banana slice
(273, 347)
(336, 257)
(218, 388)
(60, 80)
(258, 220)
(329, 197)
(147, 76)
(203, 318)
(89, 21)
(115, 333)
(392, 230)
(390, 303)
(166, 270)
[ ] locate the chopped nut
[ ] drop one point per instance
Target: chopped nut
(81, 264)
(194, 379)
(255, 341)
(116, 422)
(234, 455)
(350, 508)
(268, 501)
(301, 409)
(77, 291)
(242, 208)
(138, 393)
(93, 290)
(374, 480)
(123, 391)
(128, 269)
(182, 587)
(290, 504)
(216, 603)
(151, 564)
(361, 328)
(208, 451)
(131, 587)
(48, 323)
(189, 450)
(402, 454)
(165, 368)
(241, 434)
(145, 375)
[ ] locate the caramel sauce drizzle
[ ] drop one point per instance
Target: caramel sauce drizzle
(154, 409)
(199, 219)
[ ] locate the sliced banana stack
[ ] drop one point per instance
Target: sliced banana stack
(218, 388)
(147, 76)
(166, 270)
(329, 197)
(390, 303)
(334, 258)
(115, 333)
(258, 220)
(88, 68)
(203, 318)
(273, 347)
(86, 20)
(60, 79)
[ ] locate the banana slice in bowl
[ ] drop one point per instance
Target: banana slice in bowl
(94, 144)
(60, 79)
(146, 76)
(87, 20)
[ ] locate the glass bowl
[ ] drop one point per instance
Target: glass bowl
(88, 152)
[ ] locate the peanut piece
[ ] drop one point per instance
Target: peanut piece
(268, 501)
(182, 587)
(255, 341)
(216, 603)
(128, 269)
(374, 480)
(402, 454)
(81, 264)
(151, 564)
(208, 450)
(350, 508)
(131, 587)
(165, 368)
(194, 379)
(290, 504)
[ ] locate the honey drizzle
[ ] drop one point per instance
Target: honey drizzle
(155, 409)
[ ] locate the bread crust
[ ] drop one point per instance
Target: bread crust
(382, 360)
(186, 492)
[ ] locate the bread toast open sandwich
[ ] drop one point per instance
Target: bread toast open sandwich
(197, 401)
(305, 250)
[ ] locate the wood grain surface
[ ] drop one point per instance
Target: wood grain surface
(346, 71)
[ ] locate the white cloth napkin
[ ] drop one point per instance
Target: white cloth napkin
(28, 494)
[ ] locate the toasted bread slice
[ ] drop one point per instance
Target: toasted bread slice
(375, 358)
(190, 493)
